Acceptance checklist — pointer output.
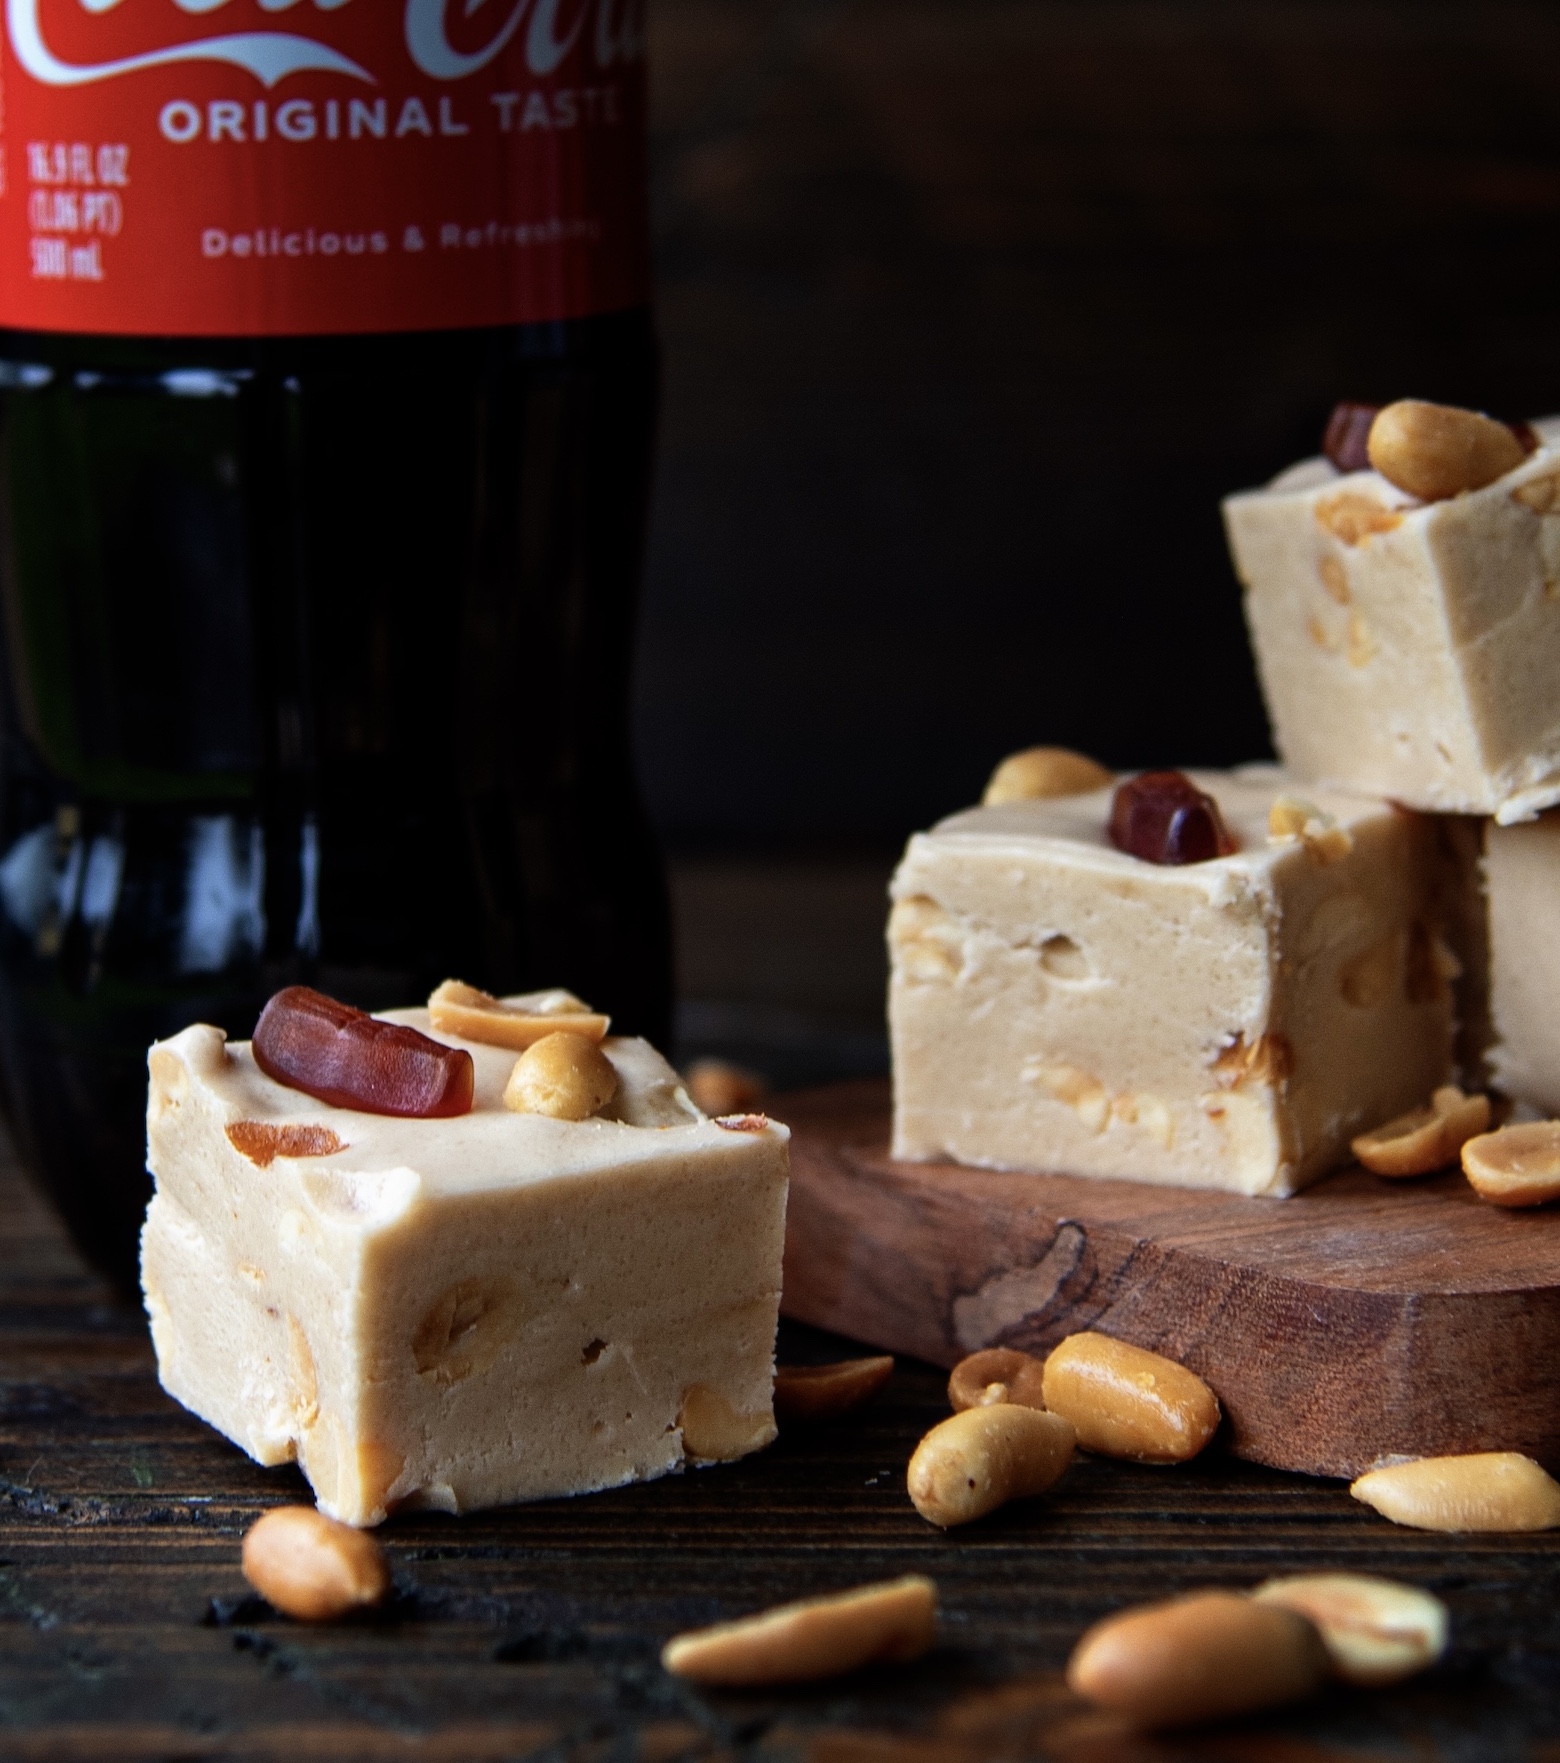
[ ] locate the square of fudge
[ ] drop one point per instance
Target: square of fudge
(461, 1312)
(1058, 1005)
(1410, 649)
(1522, 893)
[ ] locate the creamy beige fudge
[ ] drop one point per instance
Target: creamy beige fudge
(1407, 649)
(1522, 887)
(464, 1312)
(1056, 1004)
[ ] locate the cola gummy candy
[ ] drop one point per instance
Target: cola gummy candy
(1347, 434)
(1162, 817)
(352, 1060)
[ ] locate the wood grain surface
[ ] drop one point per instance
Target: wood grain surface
(126, 1631)
(1359, 1320)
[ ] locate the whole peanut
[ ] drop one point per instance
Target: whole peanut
(1124, 1401)
(1484, 1490)
(313, 1567)
(973, 1462)
(1204, 1657)
(1438, 450)
(562, 1075)
(1042, 772)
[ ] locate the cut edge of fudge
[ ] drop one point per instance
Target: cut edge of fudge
(1522, 898)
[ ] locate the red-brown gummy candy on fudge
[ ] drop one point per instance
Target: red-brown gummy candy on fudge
(1162, 817)
(1348, 431)
(346, 1057)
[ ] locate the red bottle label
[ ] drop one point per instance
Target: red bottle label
(277, 167)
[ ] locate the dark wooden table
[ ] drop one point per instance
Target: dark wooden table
(126, 1631)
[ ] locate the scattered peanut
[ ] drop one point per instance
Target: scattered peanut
(719, 1087)
(818, 1637)
(973, 1462)
(313, 1567)
(805, 1393)
(1437, 450)
(996, 1374)
(1376, 1631)
(1426, 1139)
(1516, 1166)
(455, 1008)
(1486, 1490)
(562, 1075)
(1039, 773)
(1126, 1402)
(1203, 1657)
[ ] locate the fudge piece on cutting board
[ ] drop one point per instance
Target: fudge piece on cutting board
(1056, 1004)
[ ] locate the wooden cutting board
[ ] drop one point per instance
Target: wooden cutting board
(1358, 1320)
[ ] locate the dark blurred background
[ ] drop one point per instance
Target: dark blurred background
(972, 310)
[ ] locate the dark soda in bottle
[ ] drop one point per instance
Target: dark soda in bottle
(327, 389)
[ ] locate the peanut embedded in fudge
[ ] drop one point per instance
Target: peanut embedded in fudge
(1162, 817)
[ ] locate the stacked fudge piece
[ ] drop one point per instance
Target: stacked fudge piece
(1224, 979)
(1405, 610)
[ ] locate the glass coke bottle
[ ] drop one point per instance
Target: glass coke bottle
(317, 568)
